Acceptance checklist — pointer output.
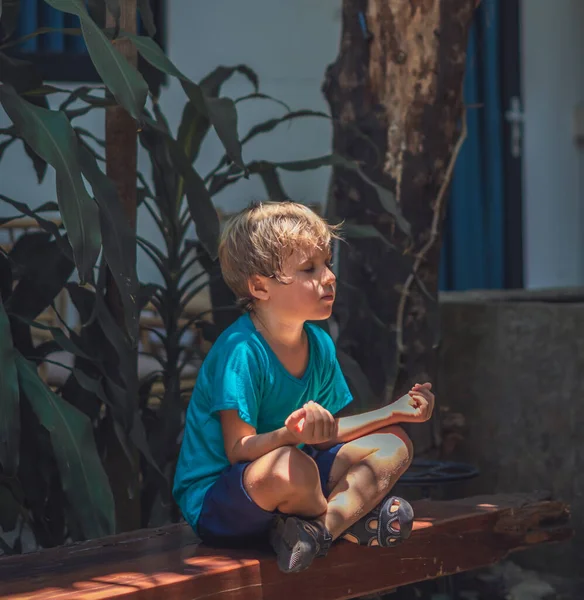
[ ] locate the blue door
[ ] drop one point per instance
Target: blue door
(476, 251)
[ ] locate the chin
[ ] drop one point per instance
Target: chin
(322, 315)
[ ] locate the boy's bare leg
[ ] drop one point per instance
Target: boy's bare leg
(363, 473)
(286, 480)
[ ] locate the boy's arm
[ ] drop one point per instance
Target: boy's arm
(414, 407)
(243, 444)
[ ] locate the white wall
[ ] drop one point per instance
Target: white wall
(289, 45)
(553, 84)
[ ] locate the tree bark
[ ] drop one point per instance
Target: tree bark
(395, 93)
(121, 136)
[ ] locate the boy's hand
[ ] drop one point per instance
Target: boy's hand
(416, 406)
(312, 424)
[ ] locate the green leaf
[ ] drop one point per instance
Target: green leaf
(62, 340)
(221, 112)
(40, 166)
(266, 127)
(260, 96)
(194, 124)
(147, 16)
(122, 79)
(83, 477)
(273, 185)
(5, 145)
(9, 10)
(44, 224)
(223, 115)
(44, 274)
(386, 197)
(119, 238)
(51, 136)
(10, 398)
(199, 200)
(124, 349)
(271, 124)
(211, 83)
(5, 277)
(192, 130)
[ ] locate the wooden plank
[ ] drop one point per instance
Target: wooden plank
(449, 537)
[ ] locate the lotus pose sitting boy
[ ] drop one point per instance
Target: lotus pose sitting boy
(264, 458)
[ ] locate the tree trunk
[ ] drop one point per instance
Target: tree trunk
(395, 92)
(121, 151)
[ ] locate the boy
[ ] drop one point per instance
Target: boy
(263, 455)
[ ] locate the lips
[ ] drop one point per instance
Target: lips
(329, 297)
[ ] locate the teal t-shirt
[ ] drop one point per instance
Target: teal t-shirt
(242, 372)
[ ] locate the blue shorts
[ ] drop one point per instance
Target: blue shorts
(231, 519)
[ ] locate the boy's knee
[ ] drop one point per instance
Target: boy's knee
(295, 471)
(396, 444)
(287, 469)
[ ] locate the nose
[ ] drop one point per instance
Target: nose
(328, 277)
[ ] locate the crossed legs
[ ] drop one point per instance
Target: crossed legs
(364, 471)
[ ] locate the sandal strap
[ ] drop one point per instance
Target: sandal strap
(404, 515)
(322, 536)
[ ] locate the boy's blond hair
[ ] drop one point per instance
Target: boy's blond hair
(259, 239)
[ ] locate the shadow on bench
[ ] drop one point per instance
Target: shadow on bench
(449, 537)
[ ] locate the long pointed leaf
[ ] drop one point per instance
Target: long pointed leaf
(40, 166)
(119, 239)
(59, 336)
(266, 127)
(126, 352)
(6, 281)
(194, 125)
(220, 111)
(192, 130)
(44, 275)
(123, 80)
(51, 136)
(9, 400)
(273, 185)
(44, 224)
(199, 200)
(386, 197)
(147, 16)
(83, 477)
(211, 83)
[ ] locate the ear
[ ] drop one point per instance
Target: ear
(258, 287)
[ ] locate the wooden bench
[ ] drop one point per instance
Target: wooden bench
(167, 563)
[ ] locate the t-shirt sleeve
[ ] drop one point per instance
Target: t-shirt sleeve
(335, 393)
(236, 383)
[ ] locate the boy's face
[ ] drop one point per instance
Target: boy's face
(311, 292)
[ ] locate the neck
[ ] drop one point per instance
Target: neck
(286, 332)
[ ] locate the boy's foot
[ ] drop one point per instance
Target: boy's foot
(386, 525)
(297, 542)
